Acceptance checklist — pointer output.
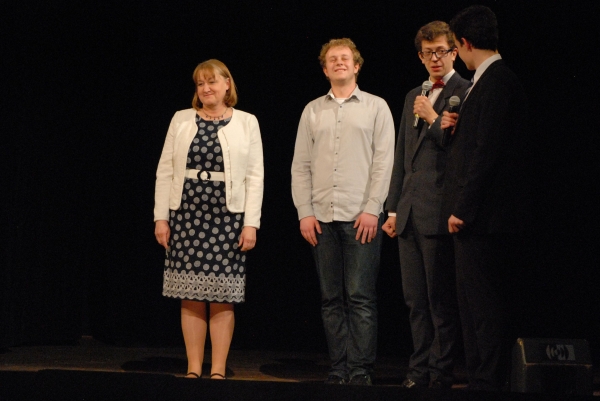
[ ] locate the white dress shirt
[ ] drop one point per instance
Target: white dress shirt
(343, 157)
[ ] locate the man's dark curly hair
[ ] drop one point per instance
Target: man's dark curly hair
(478, 25)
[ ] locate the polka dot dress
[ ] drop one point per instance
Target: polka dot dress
(204, 262)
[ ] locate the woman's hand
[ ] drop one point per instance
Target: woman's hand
(247, 238)
(162, 232)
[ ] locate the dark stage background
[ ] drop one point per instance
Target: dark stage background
(88, 93)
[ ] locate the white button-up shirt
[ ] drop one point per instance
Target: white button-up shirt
(343, 157)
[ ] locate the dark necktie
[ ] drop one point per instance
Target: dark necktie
(469, 88)
(466, 94)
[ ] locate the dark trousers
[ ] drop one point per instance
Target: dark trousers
(482, 262)
(428, 283)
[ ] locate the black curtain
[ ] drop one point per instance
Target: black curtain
(90, 91)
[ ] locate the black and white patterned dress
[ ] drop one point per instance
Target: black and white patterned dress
(204, 262)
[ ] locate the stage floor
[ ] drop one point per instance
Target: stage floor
(279, 366)
(276, 366)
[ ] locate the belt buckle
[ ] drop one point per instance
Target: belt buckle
(204, 176)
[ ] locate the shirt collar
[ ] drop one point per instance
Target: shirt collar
(355, 93)
(483, 66)
(446, 77)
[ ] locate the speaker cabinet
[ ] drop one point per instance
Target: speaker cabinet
(551, 366)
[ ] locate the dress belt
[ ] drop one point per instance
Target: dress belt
(205, 175)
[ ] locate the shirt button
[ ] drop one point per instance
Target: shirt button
(414, 170)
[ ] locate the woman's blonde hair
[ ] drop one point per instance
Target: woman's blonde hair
(210, 68)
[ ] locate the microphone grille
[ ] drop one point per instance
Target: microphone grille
(454, 101)
(427, 85)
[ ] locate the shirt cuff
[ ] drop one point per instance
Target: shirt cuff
(305, 211)
(372, 208)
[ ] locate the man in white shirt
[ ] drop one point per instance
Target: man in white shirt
(414, 207)
(340, 177)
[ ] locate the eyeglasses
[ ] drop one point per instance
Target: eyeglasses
(438, 53)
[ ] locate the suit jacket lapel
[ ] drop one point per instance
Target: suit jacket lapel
(446, 94)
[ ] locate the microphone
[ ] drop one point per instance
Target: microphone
(454, 102)
(426, 87)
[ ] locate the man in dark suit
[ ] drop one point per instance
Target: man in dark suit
(485, 193)
(414, 210)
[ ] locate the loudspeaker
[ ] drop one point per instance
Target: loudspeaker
(551, 366)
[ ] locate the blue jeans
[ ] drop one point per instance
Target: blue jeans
(348, 273)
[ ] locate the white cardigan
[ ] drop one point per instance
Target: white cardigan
(242, 156)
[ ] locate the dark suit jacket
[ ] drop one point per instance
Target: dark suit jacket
(419, 164)
(486, 172)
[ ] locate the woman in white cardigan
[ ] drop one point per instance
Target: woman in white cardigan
(209, 188)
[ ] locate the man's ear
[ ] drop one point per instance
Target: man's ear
(465, 43)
